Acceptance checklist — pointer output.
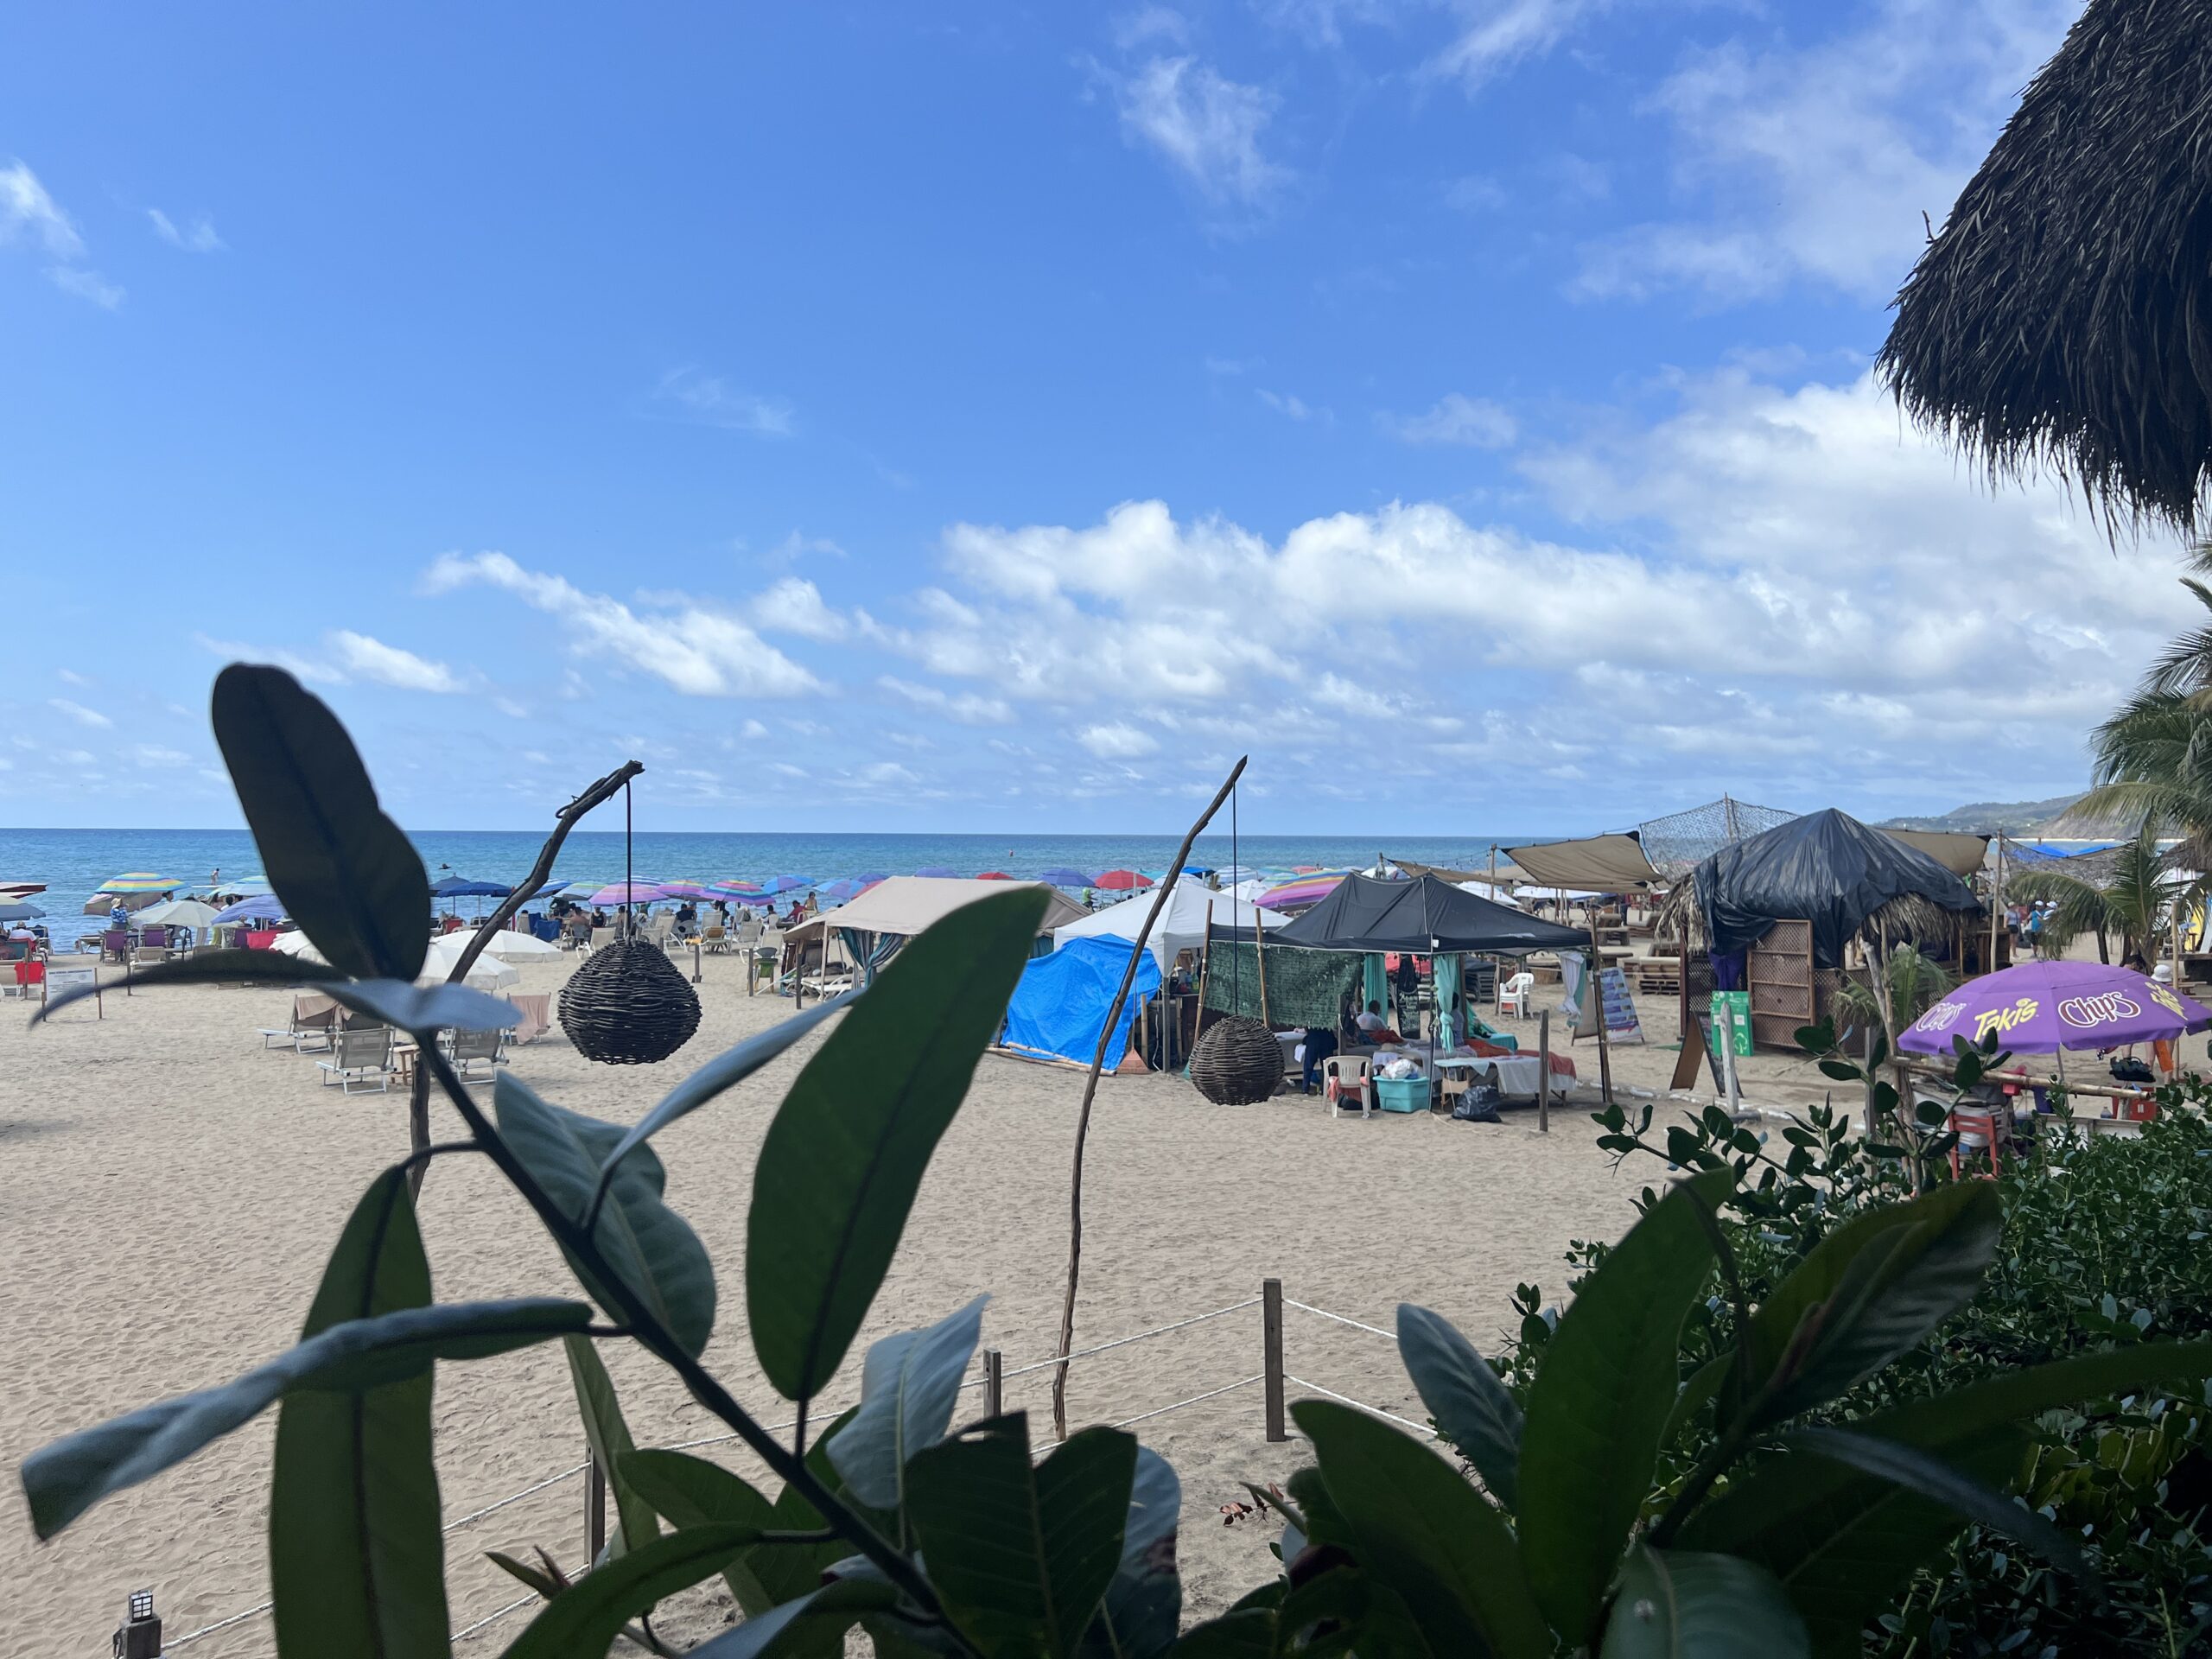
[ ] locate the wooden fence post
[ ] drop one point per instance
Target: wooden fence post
(1544, 1072)
(993, 1383)
(1271, 1344)
(594, 1509)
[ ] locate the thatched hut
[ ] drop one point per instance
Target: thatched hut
(2063, 318)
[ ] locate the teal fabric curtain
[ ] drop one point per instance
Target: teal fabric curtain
(1450, 1027)
(1375, 985)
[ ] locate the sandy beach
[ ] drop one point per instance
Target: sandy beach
(171, 1191)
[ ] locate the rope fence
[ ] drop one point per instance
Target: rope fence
(992, 1376)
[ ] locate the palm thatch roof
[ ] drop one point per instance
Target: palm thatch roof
(2063, 318)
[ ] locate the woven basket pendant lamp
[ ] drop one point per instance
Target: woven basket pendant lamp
(628, 1004)
(1238, 1062)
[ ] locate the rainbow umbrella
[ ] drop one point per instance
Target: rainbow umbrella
(140, 881)
(686, 890)
(736, 887)
(1301, 893)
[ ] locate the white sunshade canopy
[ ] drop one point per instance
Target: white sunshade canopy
(485, 973)
(907, 905)
(1182, 925)
(510, 945)
(178, 912)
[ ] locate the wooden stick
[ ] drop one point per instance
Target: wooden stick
(1544, 1071)
(1271, 1369)
(1091, 1090)
(1260, 955)
(1597, 998)
(418, 1098)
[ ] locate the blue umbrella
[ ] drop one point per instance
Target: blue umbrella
(262, 907)
(786, 883)
(868, 878)
(460, 887)
(1060, 876)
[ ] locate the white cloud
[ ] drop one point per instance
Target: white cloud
(1475, 192)
(78, 712)
(151, 754)
(29, 215)
(361, 657)
(794, 606)
(1206, 126)
(1816, 163)
(1117, 740)
(310, 669)
(691, 394)
(1456, 419)
(198, 237)
(969, 708)
(1149, 24)
(888, 771)
(1503, 32)
(700, 651)
(1293, 407)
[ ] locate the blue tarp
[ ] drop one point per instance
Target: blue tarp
(1059, 1008)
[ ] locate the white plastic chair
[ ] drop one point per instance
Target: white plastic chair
(1348, 1077)
(1513, 994)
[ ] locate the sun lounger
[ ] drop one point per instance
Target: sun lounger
(313, 1016)
(359, 1059)
(477, 1048)
(535, 1008)
(26, 979)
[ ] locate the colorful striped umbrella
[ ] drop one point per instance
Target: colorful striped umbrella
(686, 890)
(140, 881)
(786, 883)
(629, 893)
(1124, 882)
(1301, 893)
(841, 889)
(736, 887)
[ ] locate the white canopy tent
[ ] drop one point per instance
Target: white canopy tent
(1182, 925)
(906, 905)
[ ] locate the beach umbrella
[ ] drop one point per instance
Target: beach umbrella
(938, 872)
(21, 889)
(841, 889)
(246, 887)
(460, 887)
(2057, 320)
(1300, 891)
(1124, 881)
(2040, 1008)
(628, 892)
(19, 912)
(786, 883)
(178, 912)
(140, 881)
(869, 878)
(510, 944)
(262, 907)
(296, 943)
(995, 876)
(736, 887)
(485, 973)
(687, 890)
(1061, 876)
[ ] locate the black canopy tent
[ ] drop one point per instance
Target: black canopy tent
(1826, 868)
(1425, 916)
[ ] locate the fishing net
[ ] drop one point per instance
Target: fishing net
(1681, 841)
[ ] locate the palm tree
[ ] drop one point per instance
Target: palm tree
(1914, 982)
(2137, 903)
(2153, 755)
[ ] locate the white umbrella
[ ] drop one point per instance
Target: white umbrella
(486, 972)
(296, 943)
(178, 912)
(510, 945)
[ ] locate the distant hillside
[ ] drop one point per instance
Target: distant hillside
(2014, 817)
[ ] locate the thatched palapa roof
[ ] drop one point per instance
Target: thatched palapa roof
(2063, 318)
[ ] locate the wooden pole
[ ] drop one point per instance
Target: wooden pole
(1206, 966)
(1091, 1092)
(595, 1508)
(1260, 955)
(1271, 1355)
(1997, 903)
(993, 1383)
(1597, 1000)
(1544, 1071)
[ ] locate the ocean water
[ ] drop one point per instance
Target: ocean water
(73, 862)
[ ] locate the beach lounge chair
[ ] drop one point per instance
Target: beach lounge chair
(535, 1008)
(600, 936)
(313, 1017)
(359, 1059)
(1513, 994)
(477, 1048)
(26, 978)
(1348, 1077)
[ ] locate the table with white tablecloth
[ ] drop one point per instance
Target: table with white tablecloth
(1514, 1075)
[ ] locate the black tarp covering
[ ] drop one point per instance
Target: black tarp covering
(1367, 913)
(1827, 869)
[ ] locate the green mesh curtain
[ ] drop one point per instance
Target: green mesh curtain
(1305, 987)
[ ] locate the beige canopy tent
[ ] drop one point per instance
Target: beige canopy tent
(1961, 855)
(904, 906)
(1593, 864)
(1505, 874)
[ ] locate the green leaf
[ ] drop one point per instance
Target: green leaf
(1871, 1289)
(725, 1071)
(608, 1436)
(1247, 1634)
(1680, 1604)
(830, 1611)
(652, 1248)
(64, 1479)
(1463, 1394)
(838, 1171)
(1917, 1472)
(1422, 1532)
(586, 1616)
(346, 871)
(1143, 1607)
(690, 1491)
(1021, 1554)
(531, 1577)
(356, 1555)
(1703, 1384)
(1604, 1391)
(909, 1384)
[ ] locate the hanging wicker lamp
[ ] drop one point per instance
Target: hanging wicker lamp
(1237, 1062)
(628, 1005)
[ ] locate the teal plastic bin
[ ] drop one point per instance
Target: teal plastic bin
(1401, 1093)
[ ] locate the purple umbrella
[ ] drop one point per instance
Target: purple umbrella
(1061, 876)
(939, 872)
(2042, 1007)
(629, 893)
(786, 883)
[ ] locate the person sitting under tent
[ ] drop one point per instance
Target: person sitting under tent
(1373, 1027)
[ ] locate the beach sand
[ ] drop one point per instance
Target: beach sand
(171, 1190)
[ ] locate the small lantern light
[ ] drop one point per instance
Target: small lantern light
(139, 1636)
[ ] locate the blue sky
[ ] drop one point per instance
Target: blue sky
(966, 417)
